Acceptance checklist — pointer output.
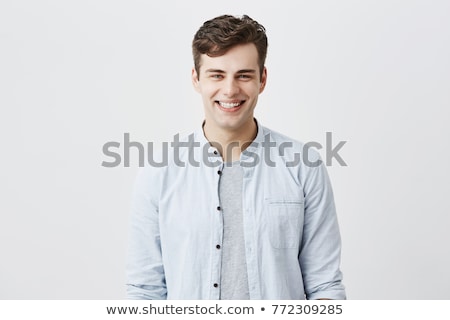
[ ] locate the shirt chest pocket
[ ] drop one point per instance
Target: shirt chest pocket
(285, 222)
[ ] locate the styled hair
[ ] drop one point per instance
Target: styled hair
(216, 36)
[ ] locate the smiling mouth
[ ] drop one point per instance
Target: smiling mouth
(229, 105)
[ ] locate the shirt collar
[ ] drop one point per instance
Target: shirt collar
(199, 135)
(254, 147)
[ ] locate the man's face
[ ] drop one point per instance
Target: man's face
(230, 85)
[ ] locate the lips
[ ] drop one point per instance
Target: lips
(230, 105)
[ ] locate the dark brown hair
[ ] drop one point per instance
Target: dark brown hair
(216, 36)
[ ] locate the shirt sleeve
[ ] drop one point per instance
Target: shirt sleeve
(320, 251)
(145, 271)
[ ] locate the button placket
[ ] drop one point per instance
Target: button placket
(217, 244)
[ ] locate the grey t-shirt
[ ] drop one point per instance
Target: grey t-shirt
(234, 279)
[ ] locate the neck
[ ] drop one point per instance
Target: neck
(231, 143)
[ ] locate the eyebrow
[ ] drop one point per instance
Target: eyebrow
(238, 72)
(247, 71)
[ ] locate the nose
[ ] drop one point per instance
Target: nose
(231, 87)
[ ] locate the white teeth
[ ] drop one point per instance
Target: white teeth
(229, 105)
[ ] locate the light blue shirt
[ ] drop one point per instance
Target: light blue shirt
(291, 233)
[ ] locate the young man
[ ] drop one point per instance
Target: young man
(235, 213)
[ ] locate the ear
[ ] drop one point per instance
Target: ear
(195, 80)
(263, 80)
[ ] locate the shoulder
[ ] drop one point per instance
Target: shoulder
(291, 148)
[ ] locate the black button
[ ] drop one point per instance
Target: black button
(215, 285)
(218, 246)
(218, 208)
(219, 172)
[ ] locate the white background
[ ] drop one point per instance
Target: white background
(77, 74)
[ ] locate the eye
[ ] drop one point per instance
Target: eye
(217, 76)
(244, 76)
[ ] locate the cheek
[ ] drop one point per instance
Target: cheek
(208, 90)
(253, 89)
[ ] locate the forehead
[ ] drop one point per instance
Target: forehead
(243, 56)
